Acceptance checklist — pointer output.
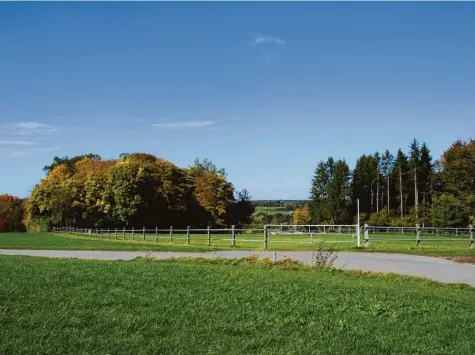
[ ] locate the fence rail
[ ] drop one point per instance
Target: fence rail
(282, 234)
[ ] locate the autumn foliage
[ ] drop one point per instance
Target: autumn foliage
(135, 190)
(11, 212)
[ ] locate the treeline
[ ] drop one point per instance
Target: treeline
(398, 189)
(135, 190)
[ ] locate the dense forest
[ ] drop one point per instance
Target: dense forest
(135, 190)
(398, 189)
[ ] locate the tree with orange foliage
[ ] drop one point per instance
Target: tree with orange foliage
(11, 214)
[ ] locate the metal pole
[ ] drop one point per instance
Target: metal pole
(358, 223)
(143, 233)
(209, 235)
(133, 233)
(115, 234)
(156, 234)
(171, 234)
(188, 234)
(123, 234)
(233, 236)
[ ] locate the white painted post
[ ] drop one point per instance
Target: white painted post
(188, 234)
(171, 234)
(123, 234)
(143, 233)
(108, 233)
(358, 223)
(115, 234)
(156, 234)
(366, 235)
(418, 236)
(209, 235)
(102, 233)
(311, 238)
(233, 236)
(471, 235)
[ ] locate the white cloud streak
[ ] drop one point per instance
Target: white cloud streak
(261, 39)
(35, 134)
(15, 142)
(185, 124)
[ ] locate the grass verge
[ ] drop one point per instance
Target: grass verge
(58, 306)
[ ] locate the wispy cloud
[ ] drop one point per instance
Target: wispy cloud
(35, 138)
(262, 39)
(185, 124)
(15, 142)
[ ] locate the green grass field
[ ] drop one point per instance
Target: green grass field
(59, 306)
(198, 242)
(272, 209)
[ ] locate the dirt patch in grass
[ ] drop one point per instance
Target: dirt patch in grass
(463, 259)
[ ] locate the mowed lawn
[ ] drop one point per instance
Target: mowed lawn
(58, 306)
(198, 242)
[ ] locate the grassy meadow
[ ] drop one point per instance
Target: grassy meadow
(193, 306)
(199, 242)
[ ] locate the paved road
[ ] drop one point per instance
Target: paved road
(435, 268)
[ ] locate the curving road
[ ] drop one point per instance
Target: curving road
(438, 269)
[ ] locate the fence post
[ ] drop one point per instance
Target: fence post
(156, 234)
(366, 235)
(418, 236)
(102, 232)
(133, 233)
(97, 233)
(187, 234)
(115, 234)
(108, 233)
(209, 235)
(471, 235)
(143, 233)
(171, 234)
(265, 237)
(233, 236)
(123, 234)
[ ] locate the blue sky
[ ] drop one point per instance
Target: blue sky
(265, 90)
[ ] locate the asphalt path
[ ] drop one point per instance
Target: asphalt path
(438, 269)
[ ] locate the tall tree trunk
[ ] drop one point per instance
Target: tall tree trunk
(377, 194)
(416, 195)
(388, 193)
(372, 199)
(400, 192)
